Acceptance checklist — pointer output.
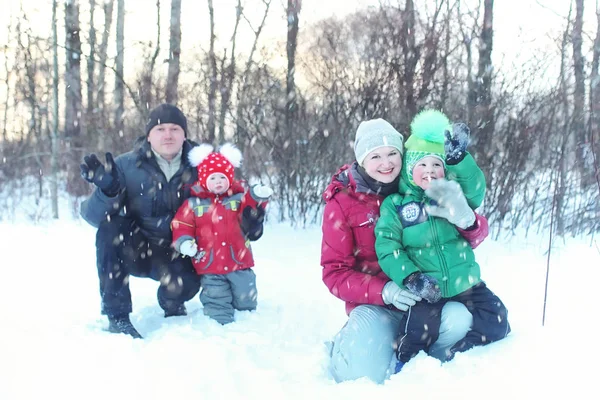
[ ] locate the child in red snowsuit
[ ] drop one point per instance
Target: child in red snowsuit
(207, 228)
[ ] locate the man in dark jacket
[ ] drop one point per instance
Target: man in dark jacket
(136, 196)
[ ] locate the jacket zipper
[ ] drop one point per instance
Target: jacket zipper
(443, 265)
(369, 221)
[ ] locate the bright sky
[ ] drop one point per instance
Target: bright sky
(521, 26)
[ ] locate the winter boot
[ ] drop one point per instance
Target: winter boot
(122, 324)
(178, 311)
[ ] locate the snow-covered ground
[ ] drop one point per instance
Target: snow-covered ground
(53, 343)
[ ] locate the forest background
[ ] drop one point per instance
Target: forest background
(289, 81)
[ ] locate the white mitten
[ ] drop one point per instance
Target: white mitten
(450, 203)
(262, 192)
(188, 248)
(398, 297)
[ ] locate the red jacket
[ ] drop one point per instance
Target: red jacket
(350, 267)
(214, 222)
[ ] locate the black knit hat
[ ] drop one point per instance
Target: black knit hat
(166, 114)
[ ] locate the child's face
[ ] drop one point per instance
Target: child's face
(217, 183)
(426, 170)
(383, 164)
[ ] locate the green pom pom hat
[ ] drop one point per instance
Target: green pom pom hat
(426, 139)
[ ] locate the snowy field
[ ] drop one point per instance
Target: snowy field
(54, 344)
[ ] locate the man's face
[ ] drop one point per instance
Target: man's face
(167, 140)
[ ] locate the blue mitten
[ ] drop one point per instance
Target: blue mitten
(423, 285)
(456, 143)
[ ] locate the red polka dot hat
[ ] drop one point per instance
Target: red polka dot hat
(210, 162)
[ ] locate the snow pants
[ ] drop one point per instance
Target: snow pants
(366, 345)
(222, 294)
(122, 250)
(490, 323)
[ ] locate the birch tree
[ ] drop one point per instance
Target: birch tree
(174, 52)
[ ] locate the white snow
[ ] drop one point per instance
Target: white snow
(53, 343)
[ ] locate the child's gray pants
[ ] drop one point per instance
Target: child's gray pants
(222, 294)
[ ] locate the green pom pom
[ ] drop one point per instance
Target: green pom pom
(430, 125)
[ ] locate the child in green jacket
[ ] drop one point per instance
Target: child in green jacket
(418, 244)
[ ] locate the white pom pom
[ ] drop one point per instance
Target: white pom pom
(199, 153)
(232, 153)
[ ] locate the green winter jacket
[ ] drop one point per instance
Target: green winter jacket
(409, 240)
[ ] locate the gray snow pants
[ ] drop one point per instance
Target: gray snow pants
(222, 294)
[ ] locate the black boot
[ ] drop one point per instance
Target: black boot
(122, 324)
(178, 311)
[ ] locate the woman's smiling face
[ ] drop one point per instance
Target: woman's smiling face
(383, 164)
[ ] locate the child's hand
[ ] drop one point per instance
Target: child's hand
(449, 202)
(188, 248)
(423, 285)
(456, 143)
(262, 192)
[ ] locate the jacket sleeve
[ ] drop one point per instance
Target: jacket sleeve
(470, 178)
(183, 225)
(338, 260)
(478, 234)
(393, 259)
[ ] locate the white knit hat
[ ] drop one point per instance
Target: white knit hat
(374, 134)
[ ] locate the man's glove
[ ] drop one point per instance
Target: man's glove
(252, 222)
(261, 192)
(456, 143)
(398, 297)
(106, 179)
(188, 248)
(425, 286)
(450, 203)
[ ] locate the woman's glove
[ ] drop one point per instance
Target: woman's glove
(398, 297)
(450, 203)
(188, 248)
(423, 285)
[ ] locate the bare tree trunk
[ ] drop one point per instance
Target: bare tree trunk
(7, 93)
(293, 13)
(119, 95)
(562, 173)
(73, 99)
(485, 113)
(73, 73)
(228, 74)
(174, 52)
(212, 76)
(411, 58)
(579, 94)
(467, 40)
(54, 138)
(595, 99)
(91, 64)
(146, 93)
(445, 74)
(103, 51)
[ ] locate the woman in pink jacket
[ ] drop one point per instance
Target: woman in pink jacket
(365, 346)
